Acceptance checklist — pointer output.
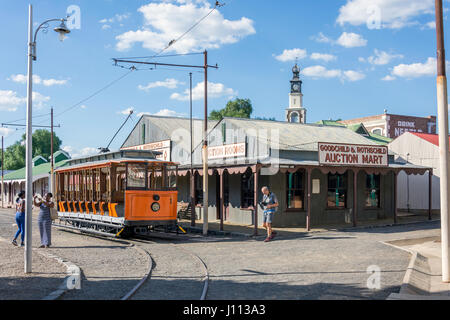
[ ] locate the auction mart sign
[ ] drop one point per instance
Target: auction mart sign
(337, 154)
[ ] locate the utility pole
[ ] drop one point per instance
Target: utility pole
(3, 186)
(192, 182)
(205, 154)
(52, 183)
(443, 141)
(205, 67)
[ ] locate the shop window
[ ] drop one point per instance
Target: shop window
(247, 189)
(373, 191)
(198, 182)
(295, 190)
(337, 191)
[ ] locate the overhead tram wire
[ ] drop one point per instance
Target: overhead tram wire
(97, 92)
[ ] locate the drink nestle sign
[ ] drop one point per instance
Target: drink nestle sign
(336, 154)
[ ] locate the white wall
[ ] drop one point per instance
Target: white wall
(422, 153)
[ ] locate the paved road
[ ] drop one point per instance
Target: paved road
(328, 265)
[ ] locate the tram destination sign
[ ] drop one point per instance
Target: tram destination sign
(336, 154)
(161, 146)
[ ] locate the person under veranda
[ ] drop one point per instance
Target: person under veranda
(269, 204)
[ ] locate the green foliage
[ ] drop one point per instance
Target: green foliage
(15, 154)
(238, 108)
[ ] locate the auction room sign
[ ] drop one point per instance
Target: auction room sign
(228, 151)
(336, 154)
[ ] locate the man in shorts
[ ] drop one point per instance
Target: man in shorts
(269, 204)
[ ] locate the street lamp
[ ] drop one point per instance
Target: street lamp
(62, 30)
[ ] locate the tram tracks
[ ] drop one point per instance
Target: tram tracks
(169, 274)
(147, 279)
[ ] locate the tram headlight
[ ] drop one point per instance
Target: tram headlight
(156, 207)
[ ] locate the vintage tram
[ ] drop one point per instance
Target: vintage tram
(117, 193)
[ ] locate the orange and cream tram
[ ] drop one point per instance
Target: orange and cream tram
(117, 193)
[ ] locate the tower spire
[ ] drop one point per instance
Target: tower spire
(296, 113)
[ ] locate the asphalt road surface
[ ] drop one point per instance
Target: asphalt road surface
(327, 265)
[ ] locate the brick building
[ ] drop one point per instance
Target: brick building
(393, 126)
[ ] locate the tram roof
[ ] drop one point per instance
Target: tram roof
(121, 156)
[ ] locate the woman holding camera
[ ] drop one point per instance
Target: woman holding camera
(44, 219)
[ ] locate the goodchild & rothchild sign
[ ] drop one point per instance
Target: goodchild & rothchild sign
(337, 154)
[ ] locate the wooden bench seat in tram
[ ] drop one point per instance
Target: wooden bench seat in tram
(74, 206)
(61, 206)
(86, 205)
(80, 206)
(101, 204)
(94, 210)
(112, 209)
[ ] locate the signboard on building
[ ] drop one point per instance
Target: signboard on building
(336, 154)
(165, 147)
(228, 151)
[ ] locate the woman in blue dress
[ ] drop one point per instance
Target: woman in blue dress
(44, 219)
(20, 218)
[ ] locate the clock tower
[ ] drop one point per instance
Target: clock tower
(296, 113)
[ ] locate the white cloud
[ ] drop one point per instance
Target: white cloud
(39, 100)
(215, 90)
(291, 55)
(117, 18)
(352, 76)
(429, 25)
(389, 78)
(322, 38)
(164, 22)
(382, 57)
(392, 14)
(9, 101)
(164, 113)
(22, 78)
(126, 111)
(168, 83)
(415, 70)
(77, 153)
(351, 40)
(5, 131)
(320, 72)
(323, 56)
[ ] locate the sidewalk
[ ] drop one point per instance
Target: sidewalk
(235, 230)
(423, 279)
(45, 282)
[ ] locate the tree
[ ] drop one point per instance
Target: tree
(238, 108)
(15, 154)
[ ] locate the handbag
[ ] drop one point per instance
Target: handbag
(53, 213)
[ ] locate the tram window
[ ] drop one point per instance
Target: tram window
(172, 173)
(136, 176)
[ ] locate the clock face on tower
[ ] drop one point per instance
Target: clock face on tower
(296, 87)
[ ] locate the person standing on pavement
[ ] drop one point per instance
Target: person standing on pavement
(44, 219)
(20, 218)
(269, 204)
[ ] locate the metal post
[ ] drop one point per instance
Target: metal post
(3, 166)
(309, 191)
(355, 197)
(222, 199)
(52, 172)
(395, 197)
(205, 153)
(256, 183)
(29, 148)
(443, 141)
(192, 178)
(430, 195)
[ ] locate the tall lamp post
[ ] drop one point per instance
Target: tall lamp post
(62, 30)
(442, 101)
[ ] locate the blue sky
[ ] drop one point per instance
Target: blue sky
(358, 57)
